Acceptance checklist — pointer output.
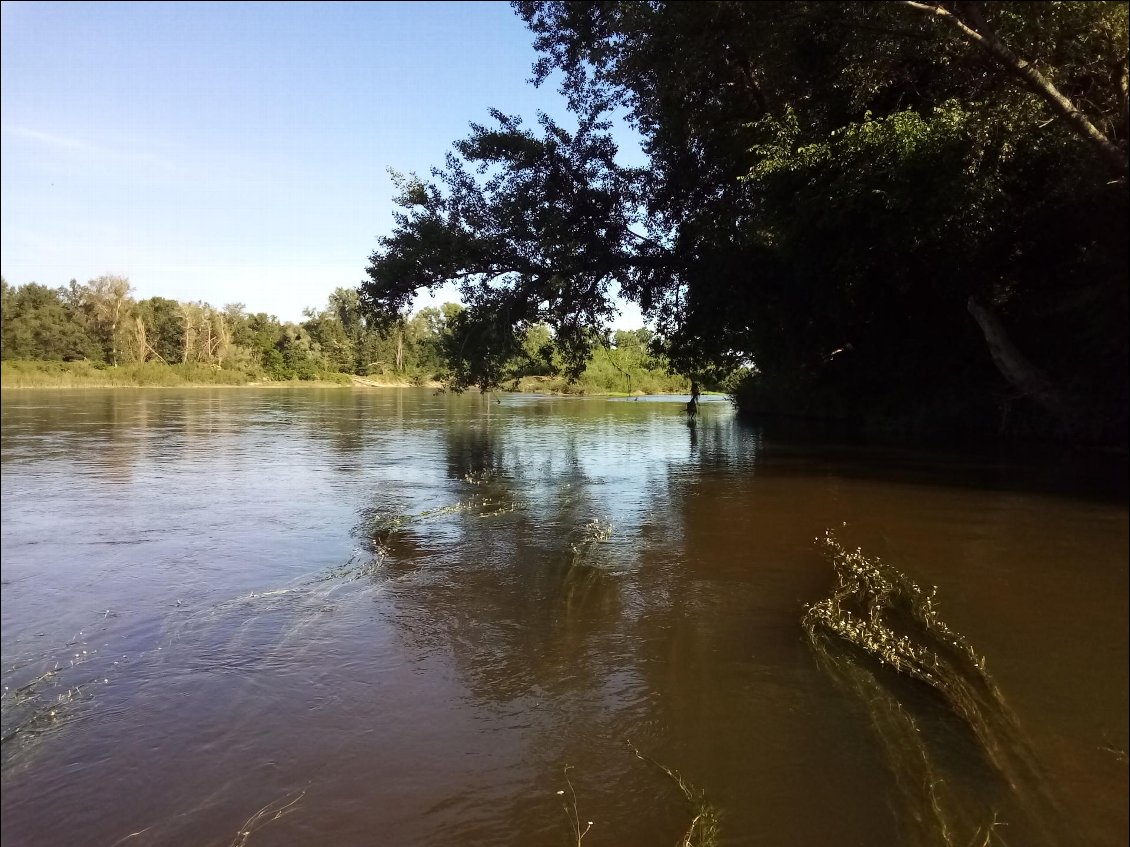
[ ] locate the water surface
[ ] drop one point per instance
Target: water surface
(399, 616)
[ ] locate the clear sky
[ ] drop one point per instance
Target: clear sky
(235, 152)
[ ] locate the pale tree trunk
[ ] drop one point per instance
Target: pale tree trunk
(1021, 374)
(982, 35)
(119, 294)
(140, 338)
(399, 350)
(218, 345)
(208, 339)
(114, 332)
(107, 298)
(189, 333)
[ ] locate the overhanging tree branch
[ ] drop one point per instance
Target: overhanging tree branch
(1026, 72)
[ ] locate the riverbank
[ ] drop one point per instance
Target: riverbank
(24, 374)
(589, 386)
(35, 374)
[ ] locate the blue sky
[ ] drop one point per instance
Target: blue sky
(236, 152)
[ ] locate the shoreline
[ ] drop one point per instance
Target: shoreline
(297, 383)
(43, 375)
(356, 382)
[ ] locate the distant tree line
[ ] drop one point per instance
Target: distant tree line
(102, 322)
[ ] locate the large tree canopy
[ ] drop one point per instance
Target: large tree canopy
(536, 227)
(895, 211)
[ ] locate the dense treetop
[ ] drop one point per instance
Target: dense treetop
(912, 214)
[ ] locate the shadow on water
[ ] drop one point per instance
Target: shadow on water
(1031, 467)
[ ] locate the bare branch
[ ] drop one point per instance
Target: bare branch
(1027, 73)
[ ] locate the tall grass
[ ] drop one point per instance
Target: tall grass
(609, 371)
(85, 374)
(21, 373)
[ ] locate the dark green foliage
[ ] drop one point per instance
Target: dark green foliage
(534, 227)
(163, 319)
(829, 184)
(40, 322)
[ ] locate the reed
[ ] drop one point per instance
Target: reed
(572, 813)
(704, 829)
(268, 814)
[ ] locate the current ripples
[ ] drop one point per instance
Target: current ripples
(400, 616)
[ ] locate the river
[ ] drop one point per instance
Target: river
(344, 616)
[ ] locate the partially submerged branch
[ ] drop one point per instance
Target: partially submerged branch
(1014, 366)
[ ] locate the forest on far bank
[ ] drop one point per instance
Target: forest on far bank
(99, 333)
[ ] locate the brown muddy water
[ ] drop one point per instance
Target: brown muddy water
(305, 617)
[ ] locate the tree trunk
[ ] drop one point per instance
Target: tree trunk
(114, 334)
(1014, 367)
(188, 334)
(141, 339)
(223, 338)
(145, 349)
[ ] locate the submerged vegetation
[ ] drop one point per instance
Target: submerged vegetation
(877, 619)
(33, 709)
(922, 687)
(704, 828)
(273, 811)
(702, 831)
(594, 532)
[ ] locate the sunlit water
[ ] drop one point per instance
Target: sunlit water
(395, 617)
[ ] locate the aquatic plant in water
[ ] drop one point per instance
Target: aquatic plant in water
(876, 617)
(704, 828)
(34, 709)
(595, 532)
(572, 812)
(269, 813)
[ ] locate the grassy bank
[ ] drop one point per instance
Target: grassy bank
(558, 385)
(25, 373)
(602, 379)
(19, 373)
